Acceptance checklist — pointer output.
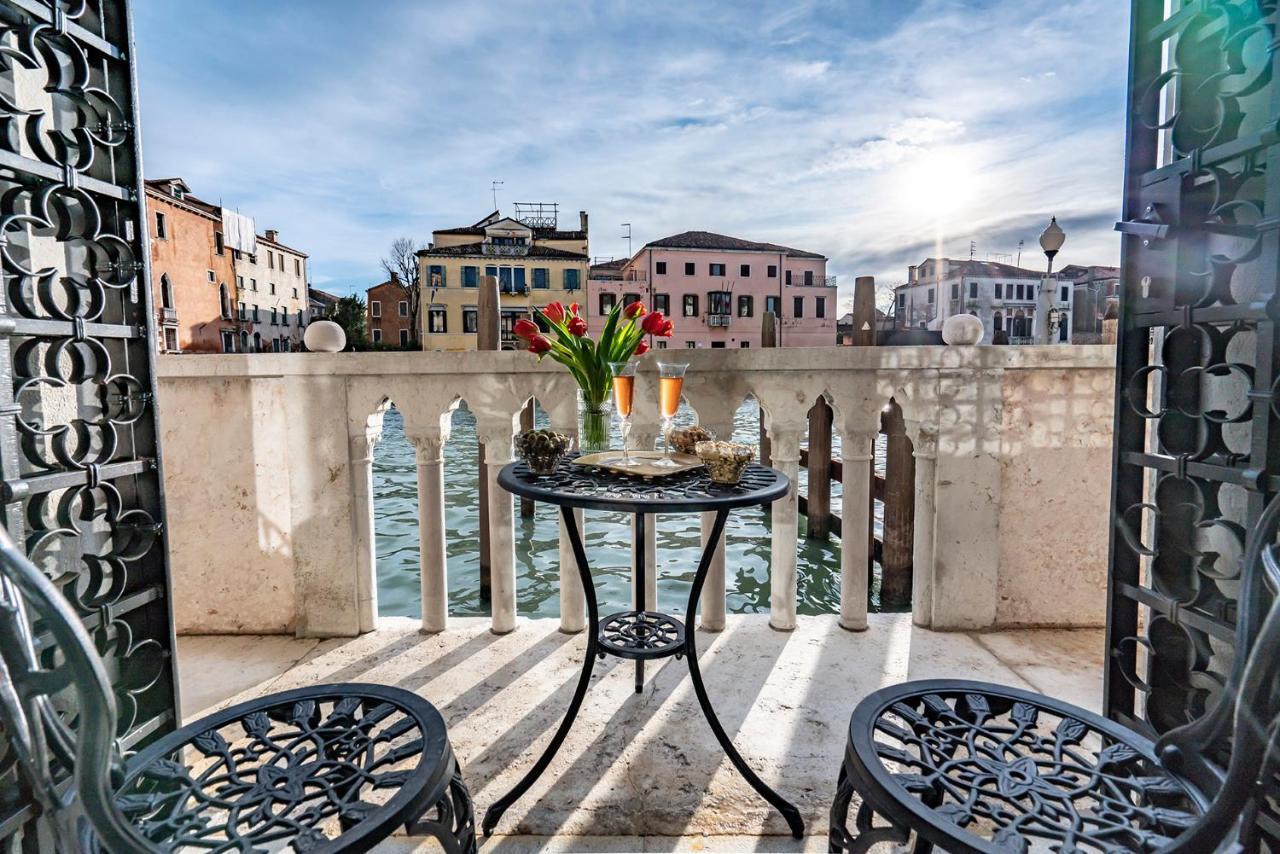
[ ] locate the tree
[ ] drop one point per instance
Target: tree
(349, 313)
(401, 267)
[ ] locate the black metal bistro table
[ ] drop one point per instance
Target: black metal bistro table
(641, 634)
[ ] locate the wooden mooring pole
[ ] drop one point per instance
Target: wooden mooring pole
(899, 510)
(526, 423)
(488, 337)
(818, 499)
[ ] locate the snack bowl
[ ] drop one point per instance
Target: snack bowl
(725, 461)
(542, 450)
(686, 439)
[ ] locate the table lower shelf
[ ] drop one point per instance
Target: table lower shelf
(641, 635)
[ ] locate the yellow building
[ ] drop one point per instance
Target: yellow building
(534, 262)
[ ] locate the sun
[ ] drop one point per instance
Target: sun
(940, 183)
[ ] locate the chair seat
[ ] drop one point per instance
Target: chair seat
(973, 766)
(325, 768)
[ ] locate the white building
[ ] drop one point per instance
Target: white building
(1003, 296)
(271, 294)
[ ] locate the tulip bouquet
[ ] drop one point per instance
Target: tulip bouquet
(566, 340)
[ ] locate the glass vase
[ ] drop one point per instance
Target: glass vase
(593, 426)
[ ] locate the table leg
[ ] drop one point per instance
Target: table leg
(789, 812)
(500, 806)
(640, 580)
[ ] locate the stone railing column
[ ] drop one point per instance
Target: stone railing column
(433, 556)
(711, 617)
(502, 539)
(360, 449)
(926, 456)
(855, 520)
(573, 603)
(783, 548)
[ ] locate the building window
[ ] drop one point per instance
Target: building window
(628, 299)
(744, 344)
(973, 290)
(660, 268)
(744, 270)
(662, 343)
(541, 278)
(377, 336)
(787, 277)
(571, 278)
(819, 307)
(1063, 294)
(436, 320)
(716, 269)
(239, 283)
(718, 302)
(224, 299)
(691, 345)
(662, 303)
(470, 276)
(295, 293)
(213, 277)
(271, 260)
(256, 316)
(797, 307)
(166, 291)
(253, 284)
(271, 287)
(404, 337)
(1021, 292)
(243, 314)
(402, 308)
(435, 276)
(955, 290)
(902, 300)
(228, 341)
(218, 245)
(997, 322)
(275, 318)
(171, 339)
(690, 305)
(930, 296)
(773, 304)
(162, 227)
(297, 266)
(607, 302)
(999, 290)
(688, 268)
(773, 271)
(746, 305)
(375, 308)
(470, 320)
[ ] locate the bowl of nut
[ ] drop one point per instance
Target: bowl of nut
(686, 439)
(725, 461)
(542, 450)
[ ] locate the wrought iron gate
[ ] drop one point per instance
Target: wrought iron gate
(78, 444)
(1197, 403)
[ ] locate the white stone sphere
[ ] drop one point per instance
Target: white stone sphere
(324, 336)
(962, 329)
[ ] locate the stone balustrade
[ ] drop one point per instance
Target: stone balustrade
(269, 459)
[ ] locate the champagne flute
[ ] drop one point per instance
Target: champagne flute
(670, 384)
(624, 387)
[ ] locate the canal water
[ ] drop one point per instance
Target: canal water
(608, 539)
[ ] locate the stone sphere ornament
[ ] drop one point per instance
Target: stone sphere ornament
(962, 330)
(324, 336)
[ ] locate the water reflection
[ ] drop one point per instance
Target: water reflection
(607, 538)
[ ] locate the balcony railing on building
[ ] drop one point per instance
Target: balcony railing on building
(810, 281)
(503, 249)
(169, 315)
(717, 320)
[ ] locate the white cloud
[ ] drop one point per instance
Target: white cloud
(806, 70)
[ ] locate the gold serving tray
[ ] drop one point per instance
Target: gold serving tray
(641, 463)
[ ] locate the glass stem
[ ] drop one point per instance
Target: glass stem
(626, 431)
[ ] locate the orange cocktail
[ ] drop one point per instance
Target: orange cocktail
(624, 391)
(670, 385)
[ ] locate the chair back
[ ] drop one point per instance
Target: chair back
(58, 712)
(1244, 724)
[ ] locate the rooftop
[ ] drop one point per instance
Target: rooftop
(711, 240)
(477, 249)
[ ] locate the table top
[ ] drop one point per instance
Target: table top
(595, 488)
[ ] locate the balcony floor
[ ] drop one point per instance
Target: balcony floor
(646, 765)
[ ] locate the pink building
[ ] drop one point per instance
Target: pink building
(716, 290)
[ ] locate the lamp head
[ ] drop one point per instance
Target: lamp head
(1052, 238)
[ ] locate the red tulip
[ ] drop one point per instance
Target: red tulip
(573, 308)
(665, 332)
(652, 322)
(632, 310)
(577, 326)
(525, 328)
(554, 312)
(539, 344)
(642, 348)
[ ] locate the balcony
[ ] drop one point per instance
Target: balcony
(995, 422)
(799, 281)
(718, 320)
(503, 250)
(168, 315)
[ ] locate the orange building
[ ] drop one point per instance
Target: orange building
(191, 271)
(387, 314)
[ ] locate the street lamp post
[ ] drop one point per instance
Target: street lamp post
(1051, 240)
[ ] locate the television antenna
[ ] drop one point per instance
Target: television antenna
(973, 249)
(494, 188)
(627, 226)
(1020, 243)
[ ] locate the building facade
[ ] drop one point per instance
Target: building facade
(191, 271)
(534, 261)
(1004, 297)
(716, 289)
(271, 296)
(1095, 291)
(387, 314)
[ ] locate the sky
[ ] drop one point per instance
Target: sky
(877, 132)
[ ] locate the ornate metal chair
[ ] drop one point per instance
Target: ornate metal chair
(977, 767)
(327, 768)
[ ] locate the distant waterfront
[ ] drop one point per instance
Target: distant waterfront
(608, 538)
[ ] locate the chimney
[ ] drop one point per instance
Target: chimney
(395, 277)
(272, 235)
(582, 220)
(911, 274)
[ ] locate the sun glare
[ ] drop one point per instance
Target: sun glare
(940, 182)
